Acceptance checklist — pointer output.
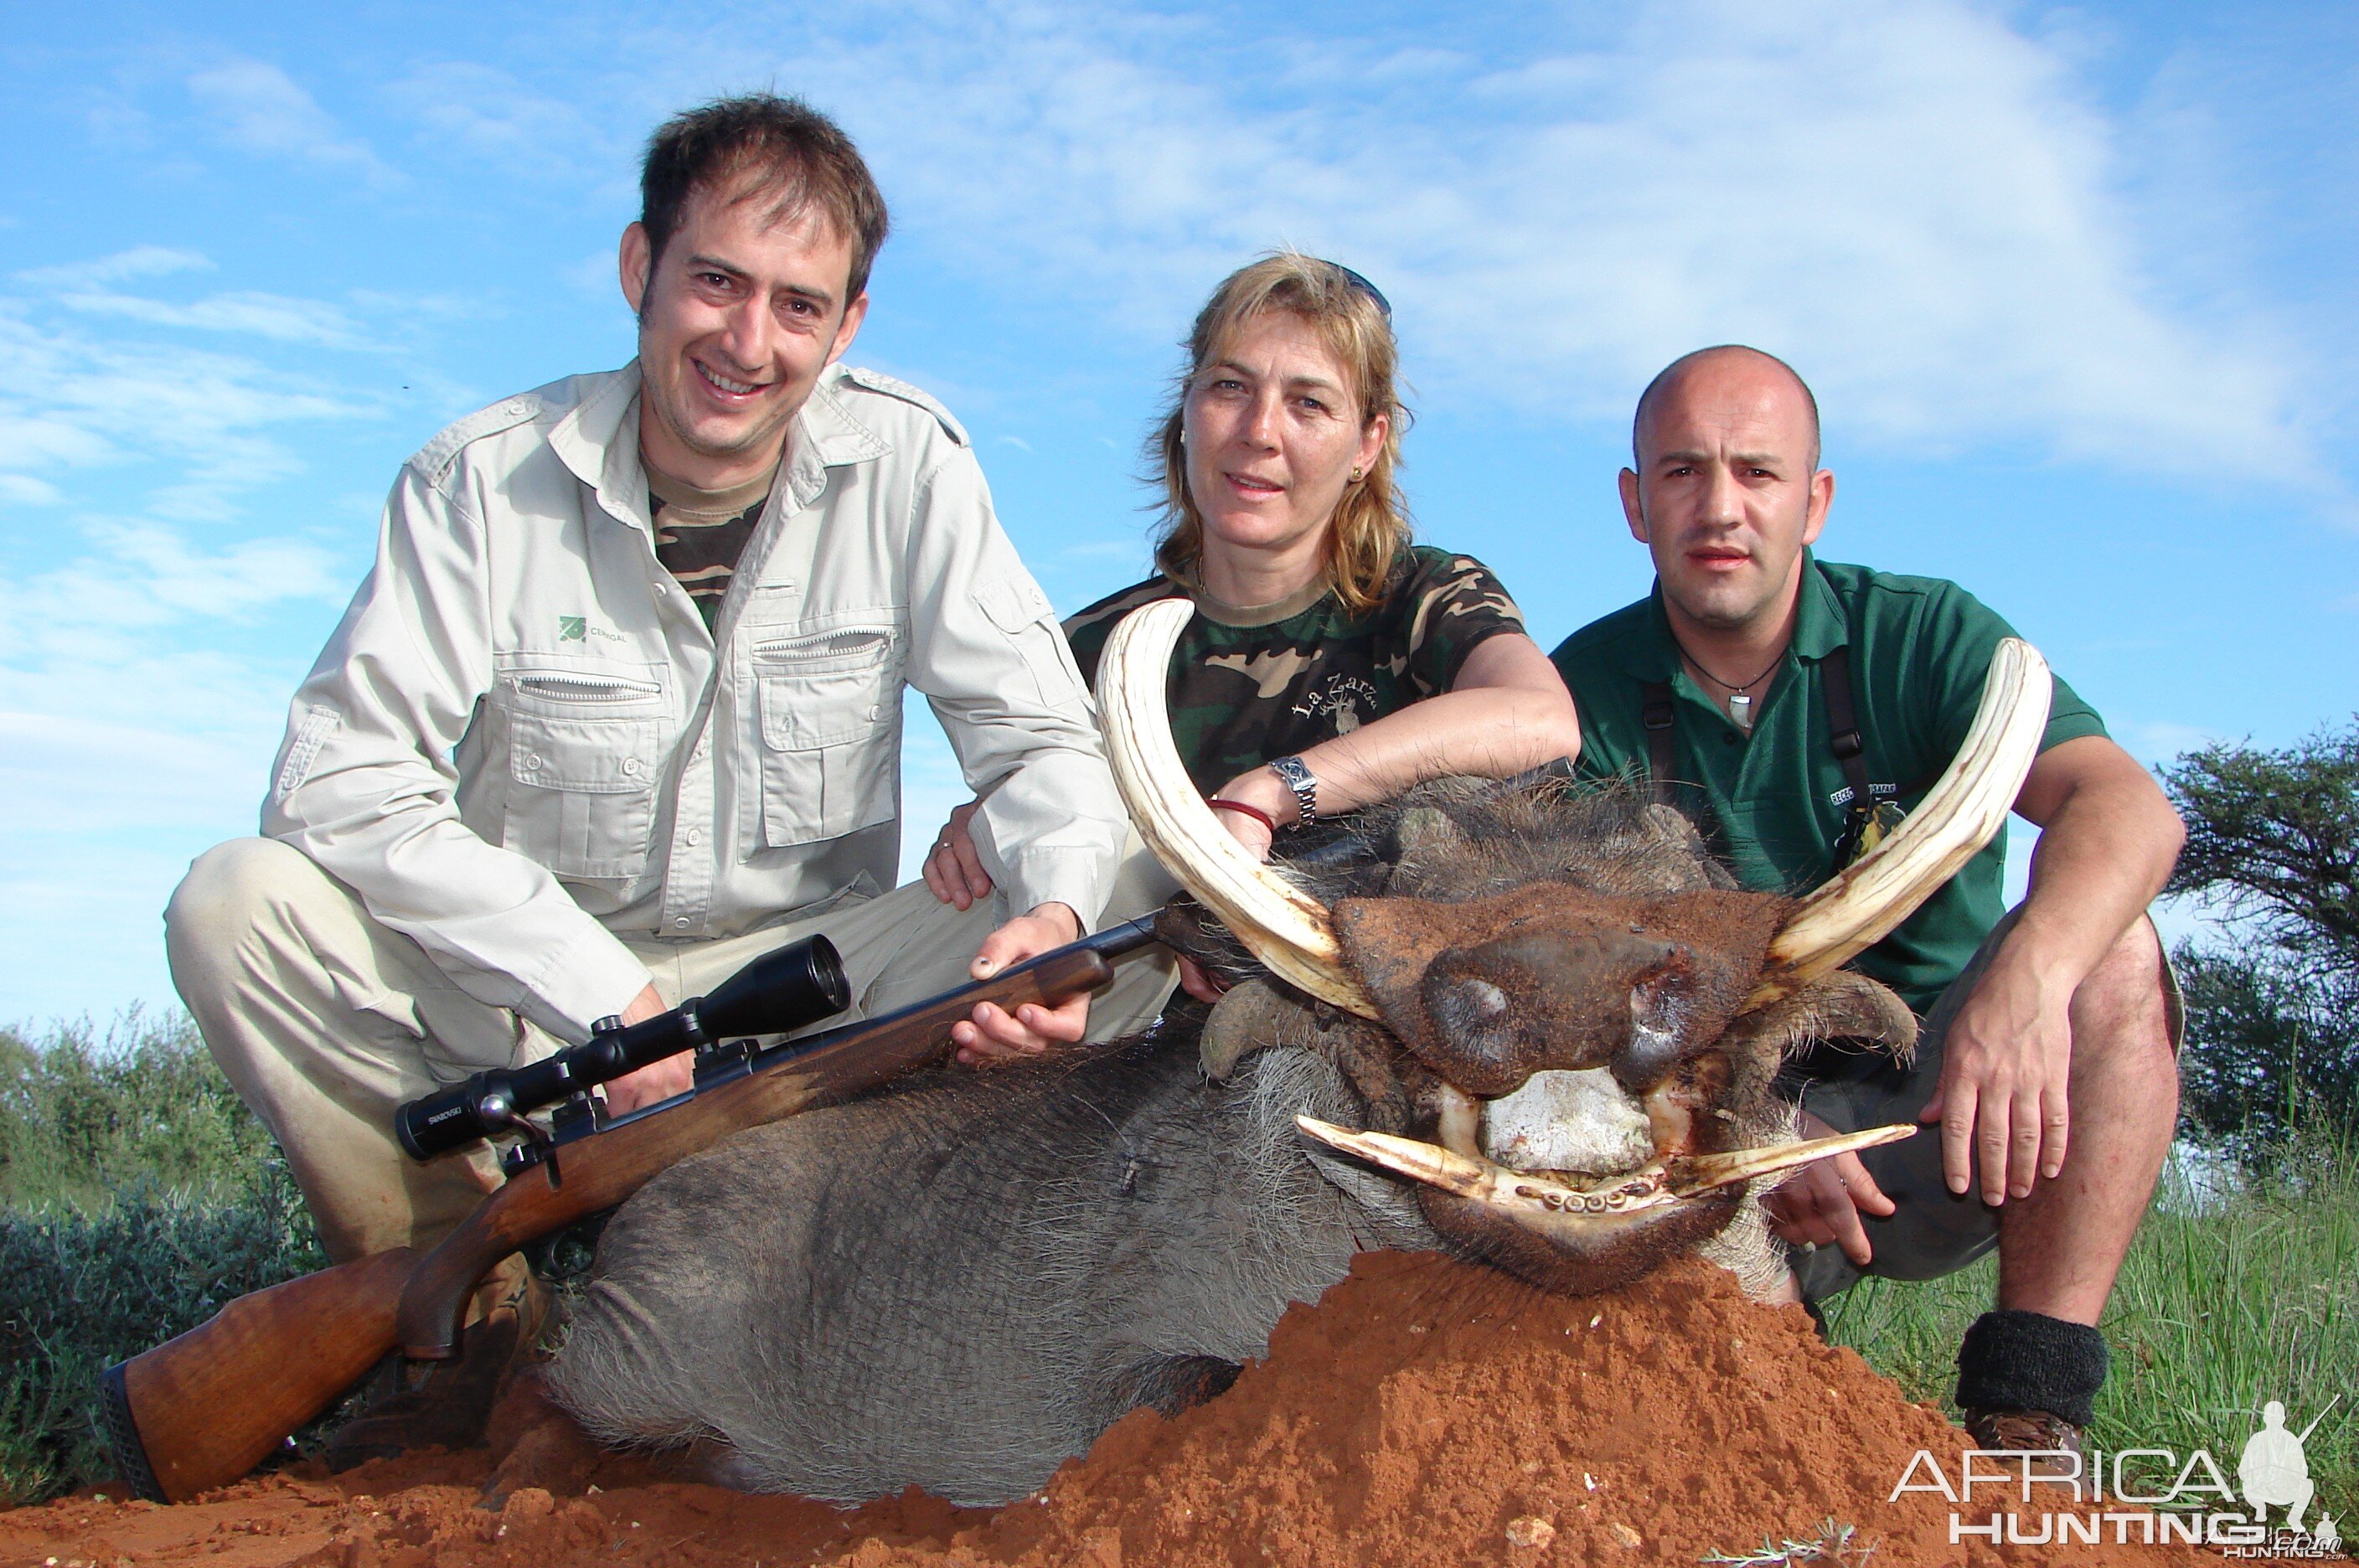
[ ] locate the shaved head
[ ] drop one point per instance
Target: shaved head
(1725, 490)
(1674, 374)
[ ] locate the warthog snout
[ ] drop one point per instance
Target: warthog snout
(1490, 991)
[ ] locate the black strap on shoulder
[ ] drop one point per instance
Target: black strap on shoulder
(1850, 749)
(1655, 714)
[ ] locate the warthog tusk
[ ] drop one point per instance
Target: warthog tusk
(1285, 927)
(1860, 905)
(1703, 1172)
(1486, 1182)
(1686, 1177)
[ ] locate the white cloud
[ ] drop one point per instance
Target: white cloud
(71, 399)
(260, 108)
(273, 316)
(1915, 203)
(2159, 741)
(488, 115)
(139, 261)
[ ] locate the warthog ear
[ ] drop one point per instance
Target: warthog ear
(1847, 1006)
(1428, 845)
(1251, 1016)
(1425, 832)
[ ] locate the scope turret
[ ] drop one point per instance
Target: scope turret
(779, 992)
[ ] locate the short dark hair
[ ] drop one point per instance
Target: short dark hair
(795, 154)
(1664, 377)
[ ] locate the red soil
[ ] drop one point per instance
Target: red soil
(1425, 1413)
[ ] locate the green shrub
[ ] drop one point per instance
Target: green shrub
(82, 1115)
(136, 1196)
(79, 1290)
(2273, 1042)
(2272, 1014)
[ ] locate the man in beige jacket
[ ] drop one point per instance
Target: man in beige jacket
(619, 707)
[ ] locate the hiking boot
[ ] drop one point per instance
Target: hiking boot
(2016, 1431)
(445, 1404)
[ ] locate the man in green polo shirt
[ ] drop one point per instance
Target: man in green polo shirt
(2046, 1056)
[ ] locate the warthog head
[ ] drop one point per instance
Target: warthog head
(1564, 1016)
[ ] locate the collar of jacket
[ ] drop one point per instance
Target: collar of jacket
(598, 440)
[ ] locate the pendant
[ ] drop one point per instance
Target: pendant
(1740, 708)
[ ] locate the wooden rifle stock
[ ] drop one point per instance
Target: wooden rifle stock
(204, 1409)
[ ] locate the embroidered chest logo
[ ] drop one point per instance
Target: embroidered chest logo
(577, 628)
(1348, 699)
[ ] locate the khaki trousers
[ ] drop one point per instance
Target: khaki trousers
(326, 1021)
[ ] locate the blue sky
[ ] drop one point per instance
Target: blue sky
(2072, 283)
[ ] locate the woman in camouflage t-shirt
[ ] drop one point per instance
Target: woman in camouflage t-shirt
(1322, 638)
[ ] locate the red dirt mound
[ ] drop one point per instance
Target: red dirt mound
(1425, 1413)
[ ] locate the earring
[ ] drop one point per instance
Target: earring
(1355, 476)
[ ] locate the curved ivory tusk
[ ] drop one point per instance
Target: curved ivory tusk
(1860, 905)
(1617, 1196)
(1285, 927)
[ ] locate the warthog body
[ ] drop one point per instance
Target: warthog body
(959, 1283)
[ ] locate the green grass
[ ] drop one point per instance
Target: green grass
(136, 1195)
(2234, 1294)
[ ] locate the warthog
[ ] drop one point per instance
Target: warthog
(1548, 1008)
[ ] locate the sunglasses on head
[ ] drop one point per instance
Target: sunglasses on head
(1364, 287)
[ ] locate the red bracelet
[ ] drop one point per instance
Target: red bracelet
(1256, 812)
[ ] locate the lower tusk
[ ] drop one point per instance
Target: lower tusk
(1461, 1122)
(1482, 1181)
(1703, 1172)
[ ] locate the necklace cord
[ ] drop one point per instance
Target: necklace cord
(1715, 679)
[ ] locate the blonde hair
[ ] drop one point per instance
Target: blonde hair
(1370, 526)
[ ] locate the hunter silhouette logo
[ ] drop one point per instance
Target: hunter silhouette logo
(2274, 1470)
(2118, 1496)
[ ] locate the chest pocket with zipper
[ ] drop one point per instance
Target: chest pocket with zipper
(830, 708)
(585, 747)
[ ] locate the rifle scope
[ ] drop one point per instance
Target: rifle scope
(798, 984)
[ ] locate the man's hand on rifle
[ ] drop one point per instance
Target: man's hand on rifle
(994, 1034)
(656, 1081)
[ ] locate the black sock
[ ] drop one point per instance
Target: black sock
(2015, 1360)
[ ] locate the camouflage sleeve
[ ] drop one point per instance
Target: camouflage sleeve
(1454, 603)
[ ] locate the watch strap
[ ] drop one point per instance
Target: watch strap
(1298, 779)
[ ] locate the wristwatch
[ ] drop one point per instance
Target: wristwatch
(1295, 777)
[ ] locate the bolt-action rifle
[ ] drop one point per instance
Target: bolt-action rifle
(206, 1409)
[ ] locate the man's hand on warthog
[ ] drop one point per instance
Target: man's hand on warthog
(1821, 1205)
(657, 1080)
(2007, 1058)
(994, 1034)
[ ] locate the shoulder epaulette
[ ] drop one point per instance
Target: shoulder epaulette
(438, 454)
(893, 386)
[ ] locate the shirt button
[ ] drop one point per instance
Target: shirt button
(531, 761)
(695, 837)
(1728, 740)
(680, 924)
(631, 766)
